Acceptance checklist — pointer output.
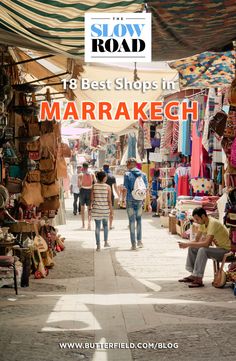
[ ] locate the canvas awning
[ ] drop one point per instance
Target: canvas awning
(114, 96)
(54, 26)
(179, 28)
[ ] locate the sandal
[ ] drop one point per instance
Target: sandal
(196, 285)
(186, 280)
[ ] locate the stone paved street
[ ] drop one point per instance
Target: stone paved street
(118, 296)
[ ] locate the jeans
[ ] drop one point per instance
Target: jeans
(197, 259)
(98, 228)
(134, 210)
(76, 204)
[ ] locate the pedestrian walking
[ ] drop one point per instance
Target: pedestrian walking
(85, 184)
(136, 185)
(74, 189)
(101, 207)
(111, 181)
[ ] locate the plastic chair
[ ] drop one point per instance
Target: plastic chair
(9, 262)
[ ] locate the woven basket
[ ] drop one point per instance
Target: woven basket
(22, 227)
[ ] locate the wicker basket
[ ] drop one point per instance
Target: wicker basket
(22, 227)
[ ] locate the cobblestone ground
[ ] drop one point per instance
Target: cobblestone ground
(118, 296)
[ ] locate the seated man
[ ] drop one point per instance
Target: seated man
(211, 232)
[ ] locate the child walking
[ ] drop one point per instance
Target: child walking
(101, 207)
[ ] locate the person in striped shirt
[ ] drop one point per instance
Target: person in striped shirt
(101, 207)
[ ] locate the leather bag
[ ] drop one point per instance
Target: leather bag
(14, 185)
(49, 204)
(31, 193)
(33, 146)
(46, 164)
(218, 123)
(48, 177)
(219, 279)
(61, 168)
(50, 190)
(34, 176)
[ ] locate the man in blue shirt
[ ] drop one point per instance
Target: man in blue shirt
(133, 206)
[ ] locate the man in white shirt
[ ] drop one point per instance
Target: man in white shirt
(74, 189)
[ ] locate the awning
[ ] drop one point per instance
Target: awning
(114, 96)
(54, 26)
(184, 28)
(206, 70)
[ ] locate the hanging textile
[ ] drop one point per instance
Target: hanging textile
(196, 151)
(205, 70)
(174, 145)
(132, 146)
(147, 136)
(141, 150)
(209, 111)
(186, 131)
(166, 137)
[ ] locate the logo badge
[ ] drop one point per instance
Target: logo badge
(118, 37)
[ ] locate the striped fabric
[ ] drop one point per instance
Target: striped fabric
(57, 25)
(100, 208)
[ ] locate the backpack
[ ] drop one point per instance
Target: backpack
(139, 192)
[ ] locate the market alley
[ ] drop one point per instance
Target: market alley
(117, 295)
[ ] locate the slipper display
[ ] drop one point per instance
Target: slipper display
(186, 280)
(196, 285)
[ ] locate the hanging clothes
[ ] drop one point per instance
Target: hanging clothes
(140, 143)
(196, 151)
(147, 136)
(186, 132)
(132, 146)
(181, 178)
(174, 145)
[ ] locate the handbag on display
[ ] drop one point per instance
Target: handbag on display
(34, 155)
(22, 132)
(219, 279)
(31, 193)
(48, 177)
(46, 164)
(52, 203)
(14, 185)
(33, 129)
(33, 146)
(230, 129)
(218, 123)
(40, 243)
(15, 171)
(34, 176)
(49, 141)
(61, 168)
(65, 150)
(50, 190)
(46, 127)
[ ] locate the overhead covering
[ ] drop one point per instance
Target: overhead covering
(53, 25)
(114, 96)
(183, 28)
(206, 70)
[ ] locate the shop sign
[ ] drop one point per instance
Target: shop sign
(121, 37)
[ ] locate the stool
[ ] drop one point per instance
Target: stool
(9, 262)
